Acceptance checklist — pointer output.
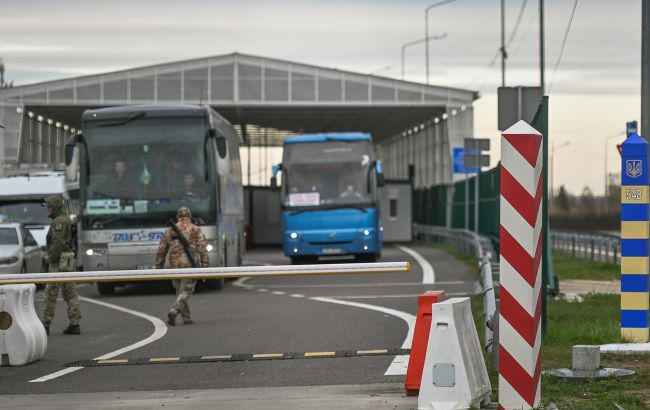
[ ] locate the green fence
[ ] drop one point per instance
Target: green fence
(431, 207)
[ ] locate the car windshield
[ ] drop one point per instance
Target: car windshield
(29, 213)
(8, 236)
(141, 171)
(332, 173)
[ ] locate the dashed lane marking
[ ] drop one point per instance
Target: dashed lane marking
(239, 357)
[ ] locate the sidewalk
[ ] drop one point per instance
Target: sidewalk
(349, 397)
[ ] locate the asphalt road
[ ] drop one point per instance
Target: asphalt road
(249, 316)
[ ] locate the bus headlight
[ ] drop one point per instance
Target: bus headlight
(366, 232)
(293, 235)
(96, 251)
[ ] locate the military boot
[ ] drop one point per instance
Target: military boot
(72, 330)
(171, 318)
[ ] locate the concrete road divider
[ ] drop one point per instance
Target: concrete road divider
(420, 340)
(454, 376)
(22, 335)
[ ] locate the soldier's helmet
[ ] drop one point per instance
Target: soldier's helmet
(55, 202)
(183, 212)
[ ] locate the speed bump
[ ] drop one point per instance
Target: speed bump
(241, 357)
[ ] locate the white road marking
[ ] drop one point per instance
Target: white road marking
(297, 295)
(241, 282)
(356, 285)
(406, 295)
(277, 292)
(160, 329)
(428, 275)
(399, 363)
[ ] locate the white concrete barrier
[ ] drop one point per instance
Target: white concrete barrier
(454, 376)
(22, 335)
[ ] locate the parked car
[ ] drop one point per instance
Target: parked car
(19, 251)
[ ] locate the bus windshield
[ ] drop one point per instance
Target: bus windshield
(138, 173)
(328, 174)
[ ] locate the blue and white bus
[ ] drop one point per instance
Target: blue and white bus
(329, 197)
(136, 165)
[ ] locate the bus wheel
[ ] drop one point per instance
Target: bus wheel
(214, 284)
(105, 288)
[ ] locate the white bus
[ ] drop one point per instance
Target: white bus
(136, 165)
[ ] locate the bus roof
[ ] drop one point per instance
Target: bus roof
(172, 110)
(329, 136)
(35, 186)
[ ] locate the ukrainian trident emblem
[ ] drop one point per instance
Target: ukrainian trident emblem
(633, 168)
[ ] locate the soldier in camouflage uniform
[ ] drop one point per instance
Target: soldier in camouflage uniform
(178, 259)
(58, 241)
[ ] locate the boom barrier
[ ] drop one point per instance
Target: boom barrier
(207, 273)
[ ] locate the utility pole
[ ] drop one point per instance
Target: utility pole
(541, 46)
(2, 150)
(645, 79)
(426, 31)
(503, 43)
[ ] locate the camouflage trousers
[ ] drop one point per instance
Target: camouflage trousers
(184, 289)
(69, 295)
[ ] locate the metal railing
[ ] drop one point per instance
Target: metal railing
(595, 247)
(470, 243)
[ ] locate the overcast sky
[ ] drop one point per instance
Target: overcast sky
(595, 90)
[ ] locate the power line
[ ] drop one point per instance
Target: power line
(485, 73)
(522, 42)
(516, 28)
(566, 35)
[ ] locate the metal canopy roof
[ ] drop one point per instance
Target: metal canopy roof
(273, 98)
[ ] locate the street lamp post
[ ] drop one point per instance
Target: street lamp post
(426, 30)
(412, 43)
(553, 148)
(617, 135)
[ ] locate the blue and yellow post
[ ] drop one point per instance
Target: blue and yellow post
(634, 239)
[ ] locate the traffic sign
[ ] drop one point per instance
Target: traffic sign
(459, 162)
(478, 144)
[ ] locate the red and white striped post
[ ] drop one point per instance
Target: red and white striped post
(520, 335)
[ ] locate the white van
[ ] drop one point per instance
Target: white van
(21, 197)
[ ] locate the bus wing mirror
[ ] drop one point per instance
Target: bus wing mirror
(274, 175)
(222, 146)
(70, 145)
(380, 180)
(380, 174)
